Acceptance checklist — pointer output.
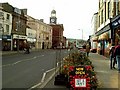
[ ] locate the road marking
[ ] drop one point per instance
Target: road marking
(35, 86)
(16, 62)
(43, 78)
(28, 59)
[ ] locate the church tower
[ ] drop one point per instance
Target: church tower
(53, 19)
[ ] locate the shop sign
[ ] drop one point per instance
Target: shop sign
(116, 23)
(19, 37)
(6, 37)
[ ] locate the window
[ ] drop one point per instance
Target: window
(101, 16)
(1, 14)
(8, 17)
(105, 11)
(99, 21)
(7, 28)
(108, 10)
(0, 25)
(117, 7)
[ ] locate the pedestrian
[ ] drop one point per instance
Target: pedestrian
(112, 59)
(28, 47)
(87, 49)
(117, 55)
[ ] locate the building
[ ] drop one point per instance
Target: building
(115, 27)
(107, 10)
(94, 26)
(18, 31)
(43, 32)
(6, 27)
(31, 36)
(64, 42)
(57, 33)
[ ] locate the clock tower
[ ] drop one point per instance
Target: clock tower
(53, 19)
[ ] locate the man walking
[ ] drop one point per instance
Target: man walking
(87, 49)
(117, 55)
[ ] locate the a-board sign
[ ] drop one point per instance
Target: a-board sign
(80, 82)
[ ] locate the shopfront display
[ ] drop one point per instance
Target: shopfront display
(6, 42)
(18, 42)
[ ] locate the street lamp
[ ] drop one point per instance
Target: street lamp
(82, 33)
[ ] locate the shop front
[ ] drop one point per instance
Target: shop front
(18, 42)
(104, 40)
(115, 26)
(6, 42)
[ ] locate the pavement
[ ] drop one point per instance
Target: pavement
(107, 79)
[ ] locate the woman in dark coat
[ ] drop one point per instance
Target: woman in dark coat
(112, 59)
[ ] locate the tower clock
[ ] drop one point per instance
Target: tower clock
(53, 19)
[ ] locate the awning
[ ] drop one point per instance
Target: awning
(104, 36)
(95, 38)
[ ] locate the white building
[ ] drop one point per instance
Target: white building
(31, 36)
(94, 28)
(5, 29)
(43, 33)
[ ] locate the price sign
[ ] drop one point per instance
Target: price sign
(80, 82)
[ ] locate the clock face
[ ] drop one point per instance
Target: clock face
(52, 20)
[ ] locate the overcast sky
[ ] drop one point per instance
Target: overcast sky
(75, 15)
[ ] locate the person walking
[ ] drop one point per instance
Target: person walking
(112, 59)
(117, 55)
(28, 47)
(87, 49)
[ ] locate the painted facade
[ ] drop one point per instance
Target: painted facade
(108, 9)
(43, 33)
(5, 29)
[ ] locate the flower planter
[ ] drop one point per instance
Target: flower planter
(77, 71)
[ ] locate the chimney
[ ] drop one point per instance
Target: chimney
(25, 11)
(42, 20)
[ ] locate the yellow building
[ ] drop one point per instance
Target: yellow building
(108, 9)
(43, 33)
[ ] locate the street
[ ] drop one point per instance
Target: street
(26, 70)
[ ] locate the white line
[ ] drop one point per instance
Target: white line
(43, 85)
(21, 61)
(35, 86)
(16, 62)
(43, 78)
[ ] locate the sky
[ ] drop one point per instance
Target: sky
(75, 15)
